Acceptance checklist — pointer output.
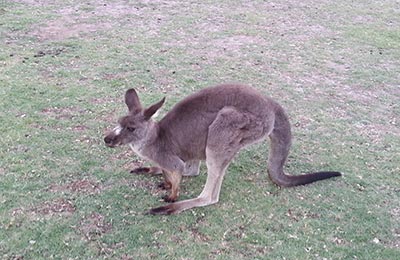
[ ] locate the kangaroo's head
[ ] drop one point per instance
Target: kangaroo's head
(133, 128)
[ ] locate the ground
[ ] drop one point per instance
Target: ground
(64, 68)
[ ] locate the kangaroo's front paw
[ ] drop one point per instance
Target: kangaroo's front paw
(141, 170)
(164, 186)
(169, 198)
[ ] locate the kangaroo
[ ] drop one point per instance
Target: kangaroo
(211, 125)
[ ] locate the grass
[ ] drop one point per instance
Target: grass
(64, 67)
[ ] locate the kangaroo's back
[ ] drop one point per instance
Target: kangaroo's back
(188, 121)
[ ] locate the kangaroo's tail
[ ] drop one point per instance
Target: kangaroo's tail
(279, 150)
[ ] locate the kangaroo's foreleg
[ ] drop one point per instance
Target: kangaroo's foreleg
(172, 181)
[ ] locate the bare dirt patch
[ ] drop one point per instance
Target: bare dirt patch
(56, 206)
(80, 128)
(62, 113)
(66, 26)
(30, 2)
(396, 242)
(105, 100)
(80, 186)
(395, 212)
(82, 19)
(50, 52)
(94, 226)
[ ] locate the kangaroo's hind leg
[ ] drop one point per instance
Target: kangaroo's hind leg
(223, 142)
(227, 135)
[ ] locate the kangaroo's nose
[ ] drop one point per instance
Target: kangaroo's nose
(108, 140)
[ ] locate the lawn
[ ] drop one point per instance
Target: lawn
(64, 68)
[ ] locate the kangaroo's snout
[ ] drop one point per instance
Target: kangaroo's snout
(109, 140)
(113, 138)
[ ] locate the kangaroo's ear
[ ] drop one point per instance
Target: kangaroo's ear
(132, 101)
(150, 111)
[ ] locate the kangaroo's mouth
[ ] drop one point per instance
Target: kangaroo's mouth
(111, 145)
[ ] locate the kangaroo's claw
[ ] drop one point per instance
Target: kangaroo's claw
(163, 210)
(167, 198)
(141, 170)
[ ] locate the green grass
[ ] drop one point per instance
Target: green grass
(64, 67)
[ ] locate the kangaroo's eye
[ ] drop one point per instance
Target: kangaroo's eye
(130, 129)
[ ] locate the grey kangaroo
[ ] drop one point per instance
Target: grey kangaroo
(212, 124)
